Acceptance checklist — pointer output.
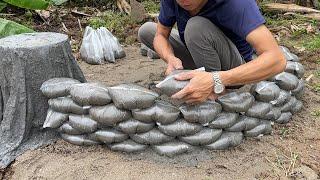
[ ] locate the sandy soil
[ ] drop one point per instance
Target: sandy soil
(292, 151)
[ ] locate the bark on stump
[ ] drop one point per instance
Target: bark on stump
(26, 61)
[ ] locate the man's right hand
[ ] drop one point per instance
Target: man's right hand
(174, 63)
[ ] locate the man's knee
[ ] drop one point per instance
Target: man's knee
(197, 29)
(147, 32)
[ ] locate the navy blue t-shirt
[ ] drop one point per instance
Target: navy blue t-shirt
(236, 18)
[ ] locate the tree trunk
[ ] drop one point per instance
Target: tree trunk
(26, 61)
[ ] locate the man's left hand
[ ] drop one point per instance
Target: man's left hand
(198, 90)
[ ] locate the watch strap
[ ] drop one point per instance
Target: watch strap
(216, 78)
(218, 85)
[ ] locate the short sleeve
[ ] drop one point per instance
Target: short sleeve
(167, 16)
(244, 17)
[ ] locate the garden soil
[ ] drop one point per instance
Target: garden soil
(292, 151)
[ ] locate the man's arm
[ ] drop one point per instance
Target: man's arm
(163, 48)
(270, 62)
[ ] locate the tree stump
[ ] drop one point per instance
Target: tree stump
(26, 61)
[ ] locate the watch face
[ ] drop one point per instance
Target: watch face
(218, 89)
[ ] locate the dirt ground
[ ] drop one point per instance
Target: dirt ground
(292, 151)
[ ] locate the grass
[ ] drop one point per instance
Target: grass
(301, 38)
(284, 132)
(297, 27)
(314, 44)
(316, 87)
(283, 163)
(309, 41)
(121, 24)
(298, 33)
(117, 23)
(277, 20)
(112, 20)
(151, 6)
(317, 73)
(316, 113)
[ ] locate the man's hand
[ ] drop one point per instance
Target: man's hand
(173, 64)
(198, 90)
(164, 49)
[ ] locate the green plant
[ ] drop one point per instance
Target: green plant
(314, 43)
(299, 33)
(316, 87)
(314, 22)
(2, 5)
(278, 20)
(151, 6)
(97, 22)
(27, 4)
(8, 28)
(284, 131)
(117, 23)
(113, 21)
(30, 4)
(316, 113)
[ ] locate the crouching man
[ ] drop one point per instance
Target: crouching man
(219, 35)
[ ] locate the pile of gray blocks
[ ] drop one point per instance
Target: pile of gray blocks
(132, 118)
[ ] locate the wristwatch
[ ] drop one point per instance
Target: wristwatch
(218, 86)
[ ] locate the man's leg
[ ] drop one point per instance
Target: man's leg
(210, 47)
(147, 33)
